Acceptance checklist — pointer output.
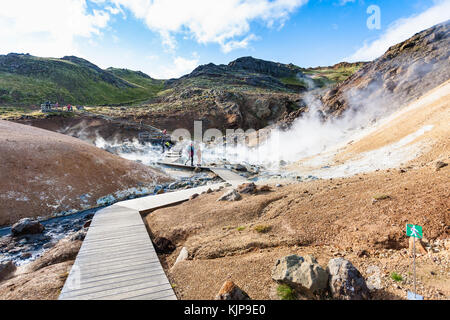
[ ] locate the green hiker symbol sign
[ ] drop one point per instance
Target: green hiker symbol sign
(414, 231)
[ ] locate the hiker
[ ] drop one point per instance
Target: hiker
(191, 154)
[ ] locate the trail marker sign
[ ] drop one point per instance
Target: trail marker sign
(414, 231)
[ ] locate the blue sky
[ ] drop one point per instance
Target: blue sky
(169, 38)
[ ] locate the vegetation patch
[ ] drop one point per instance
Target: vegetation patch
(396, 277)
(285, 292)
(262, 229)
(380, 197)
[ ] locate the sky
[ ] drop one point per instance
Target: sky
(170, 38)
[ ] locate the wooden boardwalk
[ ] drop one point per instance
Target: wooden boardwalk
(229, 176)
(117, 259)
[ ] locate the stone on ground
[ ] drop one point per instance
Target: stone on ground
(440, 165)
(230, 291)
(6, 269)
(231, 195)
(164, 245)
(303, 274)
(195, 195)
(26, 226)
(346, 282)
(249, 188)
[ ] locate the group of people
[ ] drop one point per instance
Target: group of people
(190, 151)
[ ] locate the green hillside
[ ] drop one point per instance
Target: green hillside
(28, 80)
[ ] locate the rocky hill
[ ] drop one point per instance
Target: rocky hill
(246, 93)
(28, 80)
(404, 73)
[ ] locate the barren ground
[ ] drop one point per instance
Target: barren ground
(44, 172)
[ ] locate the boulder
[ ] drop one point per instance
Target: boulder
(249, 188)
(192, 197)
(264, 188)
(6, 269)
(439, 165)
(164, 245)
(79, 235)
(230, 291)
(303, 274)
(231, 195)
(346, 282)
(26, 226)
(239, 167)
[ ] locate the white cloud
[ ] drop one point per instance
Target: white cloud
(179, 67)
(226, 22)
(401, 30)
(47, 27)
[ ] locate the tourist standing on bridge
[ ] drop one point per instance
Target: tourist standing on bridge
(191, 154)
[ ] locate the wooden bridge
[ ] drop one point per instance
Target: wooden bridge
(117, 259)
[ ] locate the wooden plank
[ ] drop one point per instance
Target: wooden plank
(150, 203)
(117, 260)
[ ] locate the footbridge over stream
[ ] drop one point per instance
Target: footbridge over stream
(117, 260)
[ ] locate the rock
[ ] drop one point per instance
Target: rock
(303, 274)
(6, 269)
(420, 248)
(26, 226)
(209, 190)
(79, 235)
(48, 245)
(163, 245)
(239, 167)
(249, 188)
(346, 282)
(184, 255)
(87, 224)
(439, 165)
(230, 291)
(362, 253)
(197, 170)
(25, 255)
(192, 197)
(264, 188)
(231, 195)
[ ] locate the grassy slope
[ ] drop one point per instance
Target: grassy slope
(40, 79)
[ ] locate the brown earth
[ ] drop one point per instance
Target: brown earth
(361, 218)
(324, 217)
(43, 172)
